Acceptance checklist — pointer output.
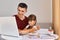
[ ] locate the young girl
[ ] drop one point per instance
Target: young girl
(31, 27)
(32, 23)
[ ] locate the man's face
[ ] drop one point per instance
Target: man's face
(21, 11)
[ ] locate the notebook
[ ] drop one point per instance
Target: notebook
(8, 26)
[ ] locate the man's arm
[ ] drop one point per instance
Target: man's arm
(25, 31)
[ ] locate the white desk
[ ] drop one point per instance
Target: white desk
(43, 36)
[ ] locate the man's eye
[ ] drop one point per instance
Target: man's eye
(22, 11)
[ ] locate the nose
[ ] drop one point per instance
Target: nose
(20, 12)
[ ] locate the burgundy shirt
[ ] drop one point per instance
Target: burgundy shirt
(21, 23)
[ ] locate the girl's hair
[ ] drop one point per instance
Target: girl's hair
(31, 17)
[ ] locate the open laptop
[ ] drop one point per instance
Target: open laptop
(8, 26)
(8, 29)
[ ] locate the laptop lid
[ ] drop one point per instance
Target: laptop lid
(8, 26)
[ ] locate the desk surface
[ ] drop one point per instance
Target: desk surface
(43, 37)
(26, 37)
(1, 38)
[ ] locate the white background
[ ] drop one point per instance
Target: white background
(41, 8)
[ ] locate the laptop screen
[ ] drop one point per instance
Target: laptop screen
(8, 26)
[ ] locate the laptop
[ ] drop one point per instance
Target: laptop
(9, 30)
(8, 26)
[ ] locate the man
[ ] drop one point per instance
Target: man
(21, 19)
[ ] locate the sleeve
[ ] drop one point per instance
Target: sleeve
(27, 26)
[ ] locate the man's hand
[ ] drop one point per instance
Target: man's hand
(23, 31)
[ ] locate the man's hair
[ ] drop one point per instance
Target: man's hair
(31, 17)
(22, 5)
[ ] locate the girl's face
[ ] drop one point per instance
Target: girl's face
(32, 23)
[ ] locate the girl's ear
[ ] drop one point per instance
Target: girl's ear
(35, 22)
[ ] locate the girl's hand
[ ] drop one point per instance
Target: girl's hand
(38, 27)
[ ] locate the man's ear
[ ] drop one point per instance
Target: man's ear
(26, 10)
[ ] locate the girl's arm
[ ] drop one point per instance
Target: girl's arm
(26, 31)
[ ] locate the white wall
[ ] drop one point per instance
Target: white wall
(7, 7)
(41, 8)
